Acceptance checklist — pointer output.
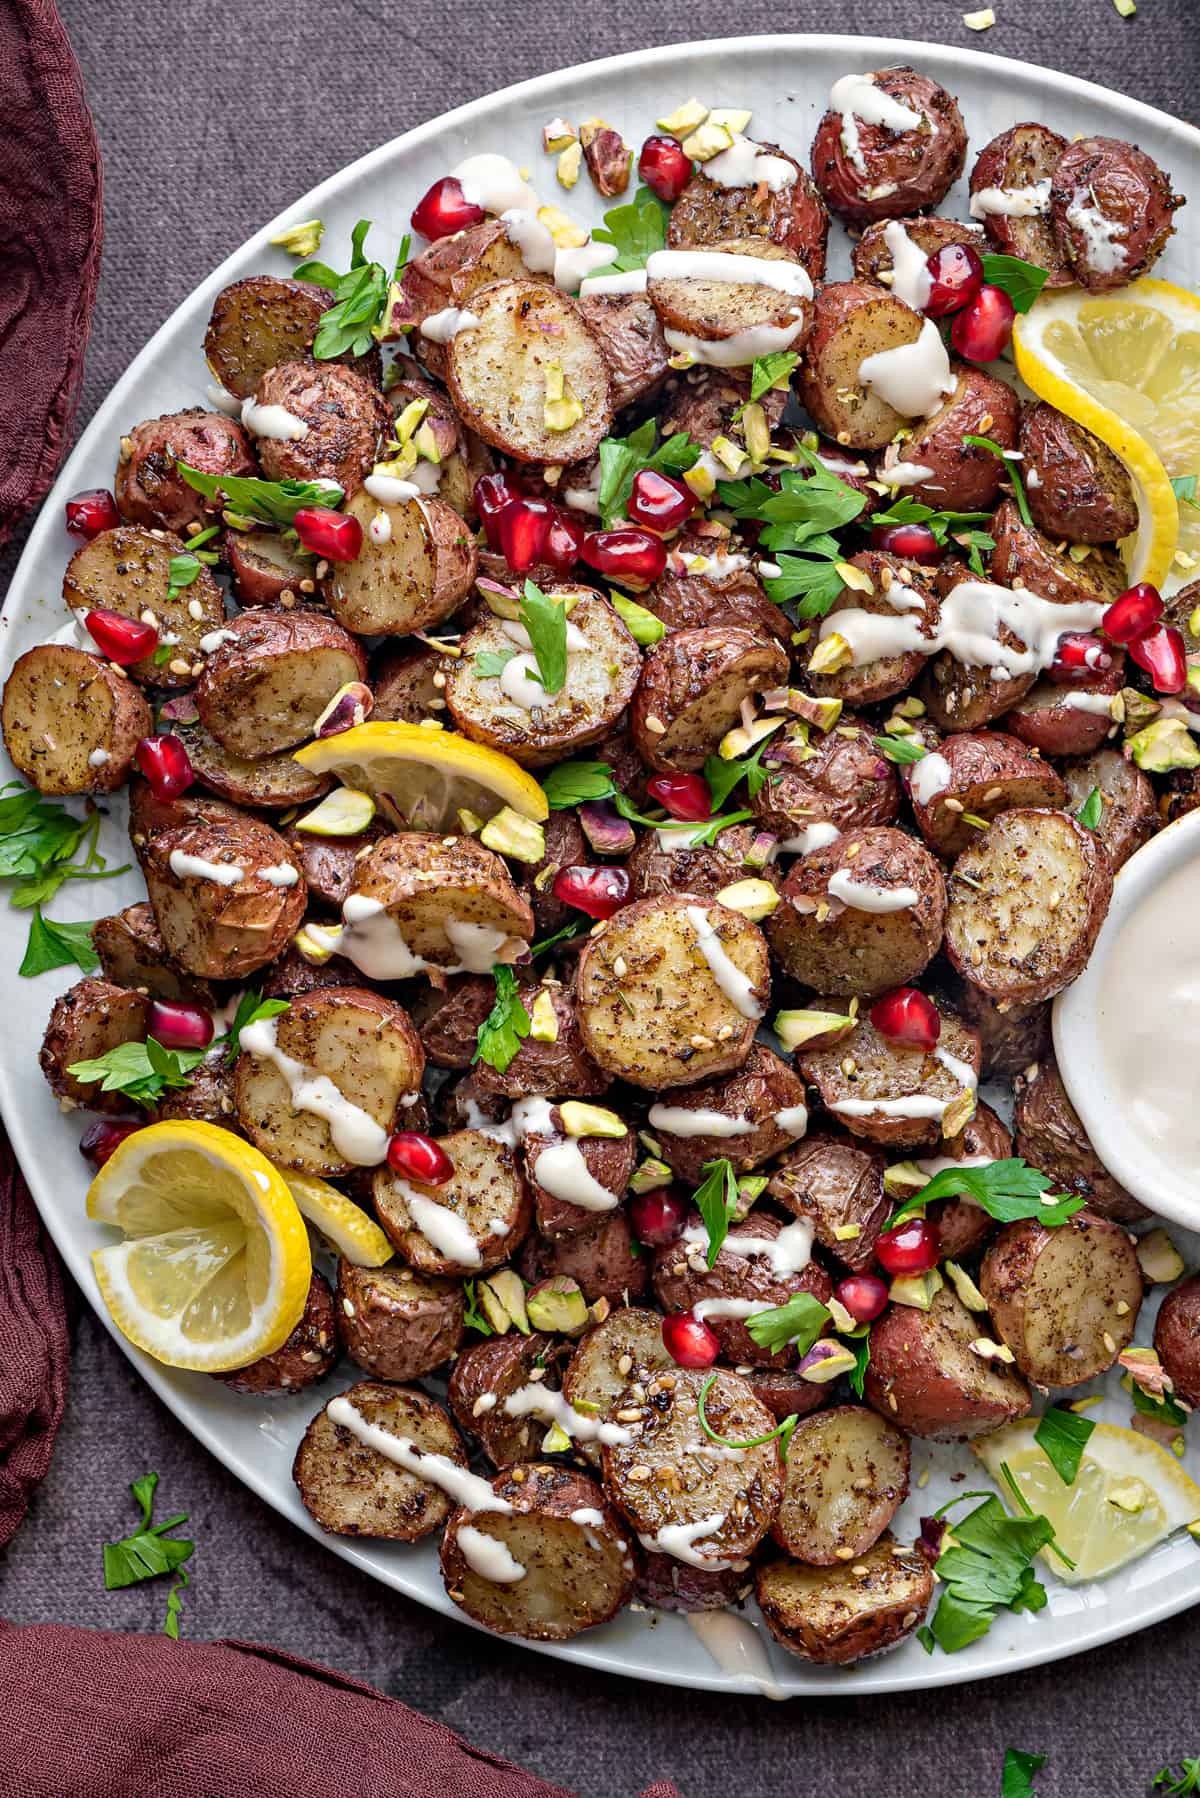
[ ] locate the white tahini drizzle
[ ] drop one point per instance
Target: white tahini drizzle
(724, 267)
(738, 351)
(459, 1483)
(1101, 235)
(98, 757)
(389, 489)
(194, 867)
(488, 1556)
(380, 528)
(275, 422)
(747, 164)
(920, 1105)
(737, 1648)
(679, 1539)
(1011, 202)
(569, 266)
(972, 616)
(448, 1233)
(788, 1253)
(913, 378)
(962, 1071)
(857, 97)
(221, 400)
(740, 1308)
(477, 946)
(683, 1120)
(279, 874)
(1100, 703)
(562, 1170)
(354, 1133)
(911, 279)
(930, 776)
(372, 939)
(551, 1407)
(812, 836)
(210, 644)
(441, 326)
(737, 987)
(492, 181)
(863, 896)
(905, 474)
(631, 281)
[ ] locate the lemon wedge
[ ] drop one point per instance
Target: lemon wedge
(1128, 1495)
(1126, 365)
(425, 779)
(344, 1225)
(215, 1266)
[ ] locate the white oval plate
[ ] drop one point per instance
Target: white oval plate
(786, 80)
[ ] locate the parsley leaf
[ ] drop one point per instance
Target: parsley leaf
(635, 231)
(901, 750)
(1062, 1437)
(181, 572)
(621, 458)
(723, 776)
(799, 1321)
(1016, 1778)
(1179, 1784)
(774, 370)
(987, 1567)
(251, 1007)
(807, 503)
(473, 1317)
(566, 935)
(546, 621)
(1184, 488)
(491, 663)
(149, 1552)
(142, 1071)
(862, 1360)
(1018, 485)
(359, 300)
(266, 502)
(1007, 1190)
(1164, 1409)
(506, 1024)
(1021, 281)
(815, 582)
(1089, 812)
(576, 783)
(53, 945)
(716, 1201)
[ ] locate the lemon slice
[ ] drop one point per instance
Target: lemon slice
(215, 1266)
(344, 1225)
(1128, 1495)
(1127, 366)
(423, 779)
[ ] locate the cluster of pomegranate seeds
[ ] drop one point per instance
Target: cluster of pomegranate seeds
(335, 536)
(664, 168)
(907, 1016)
(983, 329)
(659, 503)
(657, 1217)
(415, 1156)
(911, 1248)
(1078, 656)
(165, 763)
(689, 1341)
(914, 542)
(121, 640)
(956, 271)
(599, 892)
(179, 1026)
(632, 557)
(684, 796)
(1135, 619)
(444, 210)
(91, 512)
(103, 1138)
(864, 1296)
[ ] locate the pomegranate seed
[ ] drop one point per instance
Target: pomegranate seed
(1162, 654)
(907, 1016)
(984, 326)
(597, 891)
(957, 274)
(915, 542)
(664, 168)
(492, 493)
(335, 536)
(634, 558)
(418, 1157)
(864, 1297)
(563, 541)
(659, 503)
(444, 210)
(1132, 613)
(122, 640)
(657, 1217)
(165, 764)
(685, 796)
(1078, 656)
(911, 1248)
(524, 532)
(101, 1139)
(91, 512)
(178, 1026)
(689, 1341)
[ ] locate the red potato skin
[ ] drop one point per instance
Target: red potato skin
(965, 478)
(1177, 1338)
(346, 418)
(604, 1260)
(1049, 723)
(1129, 190)
(682, 1280)
(307, 1356)
(835, 306)
(871, 258)
(795, 217)
(839, 778)
(983, 762)
(835, 1180)
(919, 166)
(907, 1383)
(1017, 158)
(1007, 1281)
(150, 490)
(1081, 491)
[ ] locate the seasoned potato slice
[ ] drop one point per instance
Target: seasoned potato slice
(603, 665)
(364, 1046)
(925, 1376)
(263, 570)
(397, 1324)
(473, 1222)
(837, 1184)
(626, 327)
(72, 721)
(1020, 157)
(267, 783)
(263, 320)
(1128, 803)
(353, 1490)
(450, 271)
(961, 477)
(226, 892)
(1051, 1136)
(1023, 555)
(748, 1116)
(984, 773)
(895, 587)
(1075, 486)
(604, 1260)
(792, 215)
(1177, 1338)
(670, 991)
(412, 571)
(1065, 1300)
(894, 1093)
(839, 778)
(486, 1373)
(762, 1263)
(714, 310)
(266, 684)
(607, 1161)
(340, 421)
(853, 320)
(1068, 720)
(128, 570)
(575, 1570)
(86, 1022)
(692, 688)
(836, 1615)
(1026, 903)
(845, 1478)
(402, 680)
(434, 905)
(540, 1069)
(497, 373)
(625, 1350)
(132, 953)
(149, 488)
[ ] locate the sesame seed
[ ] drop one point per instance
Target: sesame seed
(620, 966)
(1108, 1342)
(625, 1364)
(639, 1474)
(195, 610)
(322, 569)
(908, 1619)
(701, 1042)
(517, 1476)
(439, 680)
(347, 1307)
(149, 617)
(178, 666)
(860, 1570)
(844, 1554)
(954, 805)
(306, 586)
(630, 1415)
(853, 851)
(724, 1033)
(538, 1374)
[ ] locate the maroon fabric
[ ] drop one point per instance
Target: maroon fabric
(108, 1716)
(34, 1346)
(51, 230)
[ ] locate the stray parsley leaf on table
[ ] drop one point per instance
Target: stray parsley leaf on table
(142, 1071)
(508, 1022)
(546, 621)
(54, 945)
(265, 502)
(988, 1567)
(621, 458)
(1016, 1778)
(799, 1320)
(1178, 1785)
(149, 1552)
(251, 1007)
(1062, 1437)
(39, 841)
(716, 1201)
(635, 231)
(1007, 1190)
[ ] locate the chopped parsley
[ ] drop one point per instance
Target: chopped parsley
(1005, 456)
(1021, 281)
(360, 298)
(53, 945)
(1062, 1437)
(546, 621)
(150, 1552)
(473, 1317)
(506, 1025)
(635, 231)
(1177, 1785)
(799, 1321)
(987, 1568)
(716, 1201)
(901, 750)
(265, 502)
(723, 776)
(771, 371)
(142, 1071)
(1016, 1778)
(1089, 812)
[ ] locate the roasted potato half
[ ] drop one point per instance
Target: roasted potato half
(837, 1615)
(1050, 1135)
(72, 721)
(1064, 1300)
(264, 687)
(691, 691)
(226, 893)
(351, 1489)
(128, 570)
(851, 321)
(474, 1221)
(395, 1323)
(786, 212)
(845, 1477)
(981, 774)
(433, 905)
(416, 566)
(93, 1017)
(749, 1116)
(889, 1092)
(867, 170)
(925, 1376)
(263, 320)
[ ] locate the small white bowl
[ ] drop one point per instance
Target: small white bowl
(1085, 1069)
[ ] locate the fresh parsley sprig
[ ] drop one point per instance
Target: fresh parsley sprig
(142, 1071)
(799, 1321)
(580, 783)
(723, 776)
(54, 945)
(545, 620)
(1007, 1190)
(621, 458)
(1016, 1777)
(716, 1200)
(1005, 456)
(1089, 812)
(773, 370)
(782, 1431)
(635, 231)
(1021, 281)
(1163, 1409)
(506, 1025)
(266, 502)
(360, 297)
(862, 1360)
(962, 528)
(987, 1568)
(251, 1007)
(1179, 1784)
(150, 1552)
(799, 520)
(40, 849)
(1062, 1437)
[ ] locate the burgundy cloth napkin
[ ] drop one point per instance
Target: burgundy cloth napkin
(34, 1345)
(108, 1716)
(51, 230)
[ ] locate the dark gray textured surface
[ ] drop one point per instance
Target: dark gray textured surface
(213, 114)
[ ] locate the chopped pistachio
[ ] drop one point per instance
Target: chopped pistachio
(562, 408)
(557, 134)
(469, 822)
(846, 1232)
(700, 480)
(556, 1441)
(903, 1177)
(1134, 709)
(754, 899)
(729, 454)
(591, 1120)
(734, 118)
(979, 21)
(1163, 745)
(1131, 1497)
(756, 431)
(543, 1019)
(823, 714)
(917, 1290)
(343, 813)
(426, 444)
(832, 652)
(568, 166)
(508, 833)
(566, 233)
(1126, 8)
(707, 141)
(743, 737)
(507, 1289)
(317, 942)
(642, 625)
(987, 1350)
(1158, 1258)
(650, 1175)
(958, 1113)
(303, 239)
(825, 1360)
(795, 1028)
(557, 1304)
(684, 119)
(857, 578)
(965, 1287)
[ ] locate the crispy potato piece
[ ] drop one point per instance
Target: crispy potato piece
(1021, 157)
(265, 319)
(450, 271)
(128, 570)
(71, 720)
(691, 690)
(1129, 192)
(784, 1392)
(666, 1584)
(845, 1478)
(1051, 1136)
(836, 1615)
(604, 1260)
(267, 782)
(345, 418)
(963, 477)
(361, 1042)
(989, 773)
(761, 1262)
(576, 1572)
(497, 370)
(663, 973)
(852, 321)
(449, 903)
(704, 1499)
(475, 1221)
(1177, 1338)
(290, 974)
(872, 260)
(959, 696)
(626, 327)
(419, 574)
(1066, 720)
(963, 1228)
(263, 570)
(395, 1323)
(1011, 1035)
(837, 1184)
(625, 1350)
(86, 1022)
(860, 914)
(925, 1377)
(895, 1093)
(486, 1373)
(603, 665)
(352, 1490)
(207, 1100)
(1128, 804)
(402, 681)
(330, 864)
(885, 173)
(716, 310)
(1026, 904)
(1065, 1300)
(748, 1116)
(838, 778)
(132, 953)
(657, 865)
(215, 928)
(895, 587)
(726, 594)
(264, 687)
(566, 847)
(148, 487)
(609, 1161)
(306, 1357)
(1075, 486)
(793, 216)
(1024, 555)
